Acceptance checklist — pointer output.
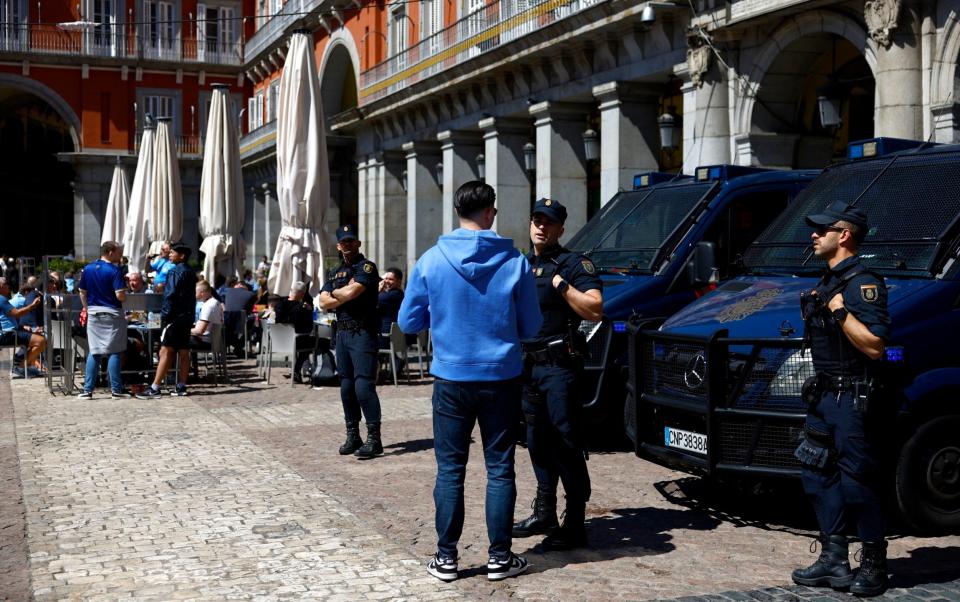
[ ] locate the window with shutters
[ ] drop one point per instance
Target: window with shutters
(104, 38)
(398, 35)
(160, 102)
(431, 20)
(217, 31)
(13, 35)
(160, 29)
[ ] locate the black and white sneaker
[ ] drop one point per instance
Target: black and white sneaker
(85, 395)
(510, 566)
(444, 569)
(124, 394)
(180, 391)
(150, 393)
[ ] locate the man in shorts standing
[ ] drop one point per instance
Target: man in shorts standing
(176, 321)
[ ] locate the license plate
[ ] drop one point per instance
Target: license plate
(685, 440)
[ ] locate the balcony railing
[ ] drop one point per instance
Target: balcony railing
(272, 28)
(259, 139)
(187, 146)
(115, 41)
(494, 25)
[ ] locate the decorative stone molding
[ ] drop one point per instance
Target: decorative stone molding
(699, 54)
(881, 17)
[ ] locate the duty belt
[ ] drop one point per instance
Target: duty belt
(349, 326)
(839, 383)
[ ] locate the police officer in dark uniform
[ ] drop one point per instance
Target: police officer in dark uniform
(351, 290)
(846, 326)
(569, 291)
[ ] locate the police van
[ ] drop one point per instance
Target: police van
(661, 246)
(715, 390)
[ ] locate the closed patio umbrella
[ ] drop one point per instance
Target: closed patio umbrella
(303, 177)
(221, 191)
(117, 202)
(166, 207)
(136, 234)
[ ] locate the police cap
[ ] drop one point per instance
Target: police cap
(346, 232)
(839, 211)
(554, 210)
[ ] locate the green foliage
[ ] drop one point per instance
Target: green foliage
(63, 266)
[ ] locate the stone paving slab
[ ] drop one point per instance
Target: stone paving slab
(131, 500)
(237, 492)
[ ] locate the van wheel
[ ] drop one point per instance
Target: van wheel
(928, 476)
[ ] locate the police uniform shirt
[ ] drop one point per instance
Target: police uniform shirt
(578, 271)
(864, 297)
(363, 309)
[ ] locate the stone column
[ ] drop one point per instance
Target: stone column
(459, 150)
(629, 135)
(706, 119)
(368, 235)
(271, 219)
(89, 203)
(392, 211)
(251, 224)
(899, 96)
(503, 155)
(366, 206)
(561, 164)
(190, 229)
(424, 199)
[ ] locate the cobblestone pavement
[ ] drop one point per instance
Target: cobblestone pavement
(237, 492)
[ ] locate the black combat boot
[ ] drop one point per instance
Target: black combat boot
(372, 448)
(832, 568)
(872, 577)
(572, 533)
(544, 517)
(353, 442)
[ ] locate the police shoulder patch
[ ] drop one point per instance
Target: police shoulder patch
(538, 272)
(869, 292)
(588, 266)
(368, 268)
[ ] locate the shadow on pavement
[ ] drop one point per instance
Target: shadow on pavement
(630, 532)
(407, 447)
(926, 565)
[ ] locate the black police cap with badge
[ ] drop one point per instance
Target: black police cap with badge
(346, 232)
(552, 209)
(839, 211)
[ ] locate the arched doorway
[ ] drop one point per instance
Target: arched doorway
(338, 88)
(38, 196)
(786, 129)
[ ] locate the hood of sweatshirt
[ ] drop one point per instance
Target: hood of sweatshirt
(475, 253)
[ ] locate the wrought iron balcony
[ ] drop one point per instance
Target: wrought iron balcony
(492, 26)
(116, 41)
(187, 146)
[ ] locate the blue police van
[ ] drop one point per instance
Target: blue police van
(715, 390)
(661, 246)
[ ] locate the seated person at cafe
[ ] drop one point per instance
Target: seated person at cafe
(12, 333)
(211, 316)
(136, 283)
(389, 300)
(238, 303)
(294, 310)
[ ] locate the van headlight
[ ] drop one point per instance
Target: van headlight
(789, 379)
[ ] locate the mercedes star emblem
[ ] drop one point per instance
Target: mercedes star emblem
(695, 372)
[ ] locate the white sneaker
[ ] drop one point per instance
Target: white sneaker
(511, 566)
(85, 395)
(444, 569)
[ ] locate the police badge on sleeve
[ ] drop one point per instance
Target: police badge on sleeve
(588, 266)
(367, 268)
(869, 293)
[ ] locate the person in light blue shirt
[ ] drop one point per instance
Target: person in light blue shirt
(161, 265)
(12, 333)
(477, 294)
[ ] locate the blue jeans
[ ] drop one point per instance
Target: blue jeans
(356, 354)
(457, 407)
(113, 369)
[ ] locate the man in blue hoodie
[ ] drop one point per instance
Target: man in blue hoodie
(477, 293)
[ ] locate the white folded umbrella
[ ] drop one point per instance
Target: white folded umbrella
(303, 174)
(136, 232)
(166, 208)
(221, 192)
(117, 202)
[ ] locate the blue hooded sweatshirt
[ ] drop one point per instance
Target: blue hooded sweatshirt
(478, 296)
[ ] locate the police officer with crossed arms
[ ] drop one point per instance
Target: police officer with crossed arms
(568, 290)
(847, 327)
(351, 290)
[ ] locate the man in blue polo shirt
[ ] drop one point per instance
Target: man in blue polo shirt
(11, 332)
(161, 265)
(102, 291)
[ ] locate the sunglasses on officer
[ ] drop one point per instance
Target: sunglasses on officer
(822, 230)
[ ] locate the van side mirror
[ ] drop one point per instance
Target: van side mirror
(702, 265)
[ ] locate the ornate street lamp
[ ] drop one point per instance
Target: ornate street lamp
(829, 100)
(439, 169)
(529, 157)
(668, 130)
(591, 145)
(482, 167)
(403, 180)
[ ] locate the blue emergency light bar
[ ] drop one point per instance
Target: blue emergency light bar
(877, 147)
(710, 173)
(895, 354)
(643, 180)
(619, 326)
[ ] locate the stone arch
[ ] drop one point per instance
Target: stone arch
(49, 96)
(796, 27)
(339, 69)
(944, 69)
